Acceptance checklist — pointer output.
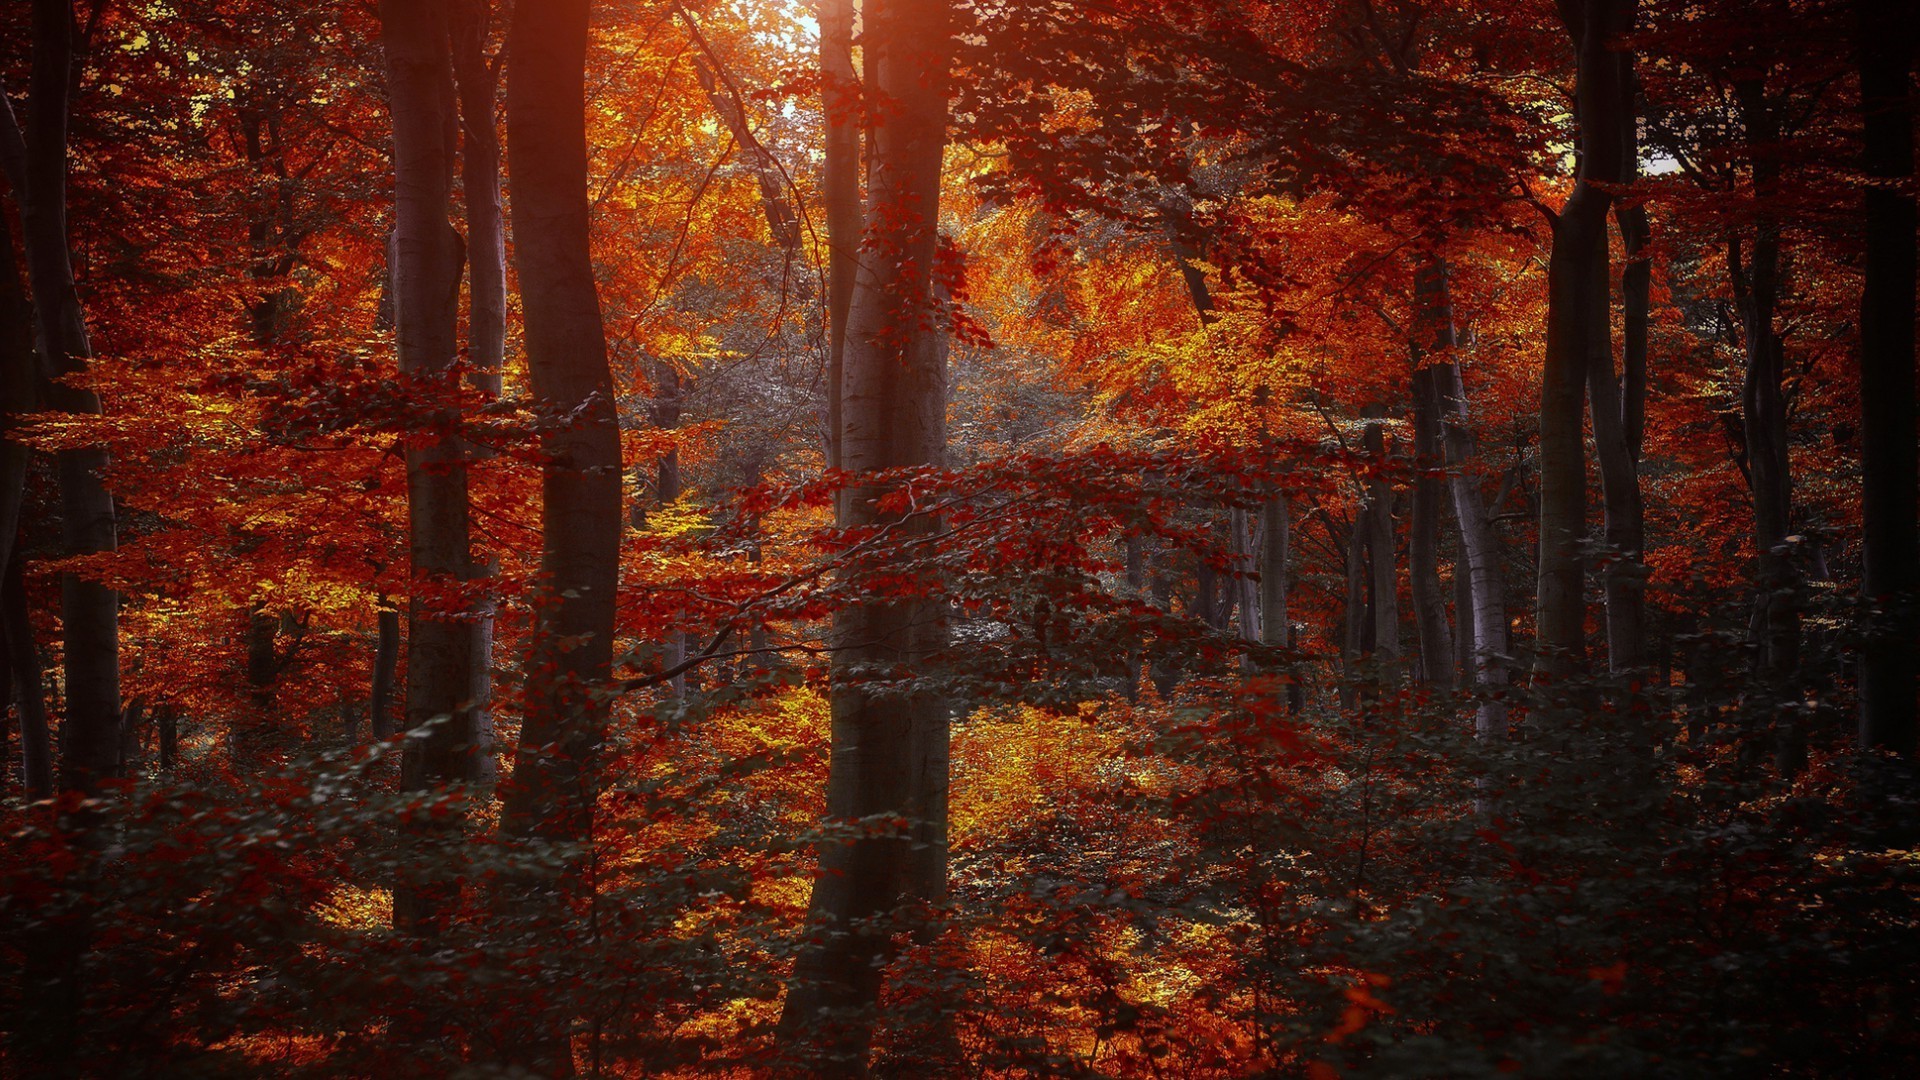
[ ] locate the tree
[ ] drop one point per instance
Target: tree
(426, 264)
(36, 165)
(888, 776)
(1885, 47)
(1579, 357)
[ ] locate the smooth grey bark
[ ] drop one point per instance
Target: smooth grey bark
(553, 787)
(425, 268)
(889, 746)
(17, 391)
(1434, 633)
(1890, 463)
(1246, 584)
(1480, 549)
(840, 101)
(36, 163)
(425, 264)
(477, 84)
(1276, 556)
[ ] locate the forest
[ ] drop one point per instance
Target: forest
(959, 538)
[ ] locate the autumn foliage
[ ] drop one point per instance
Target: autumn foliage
(1299, 538)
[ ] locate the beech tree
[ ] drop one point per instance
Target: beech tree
(888, 760)
(36, 164)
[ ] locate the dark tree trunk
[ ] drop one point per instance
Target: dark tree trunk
(17, 396)
(425, 266)
(554, 785)
(425, 270)
(889, 755)
(1382, 554)
(23, 663)
(1579, 357)
(1275, 562)
(37, 167)
(1891, 577)
(1355, 625)
(386, 663)
(477, 82)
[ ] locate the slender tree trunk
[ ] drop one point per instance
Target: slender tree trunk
(1275, 560)
(261, 729)
(23, 662)
(37, 165)
(1423, 536)
(889, 754)
(1479, 545)
(386, 663)
(1382, 552)
(1891, 576)
(1206, 594)
(17, 397)
(425, 268)
(840, 99)
(1246, 583)
(167, 722)
(477, 82)
(1356, 622)
(668, 405)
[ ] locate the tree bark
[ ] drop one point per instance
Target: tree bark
(1890, 471)
(553, 787)
(426, 269)
(840, 102)
(1382, 553)
(426, 261)
(1423, 535)
(23, 662)
(36, 162)
(1579, 358)
(386, 662)
(889, 756)
(477, 83)
(1246, 583)
(1479, 545)
(1275, 561)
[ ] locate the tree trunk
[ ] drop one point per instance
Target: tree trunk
(1423, 536)
(669, 395)
(425, 267)
(889, 754)
(425, 270)
(1355, 625)
(1246, 583)
(23, 662)
(386, 661)
(840, 101)
(1479, 545)
(1891, 575)
(90, 738)
(1275, 558)
(17, 379)
(1578, 347)
(477, 82)
(1382, 553)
